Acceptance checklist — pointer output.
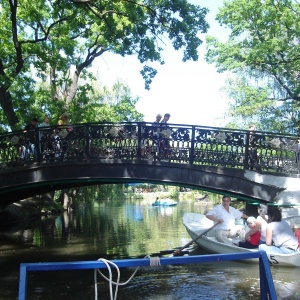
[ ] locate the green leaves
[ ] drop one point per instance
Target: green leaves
(56, 41)
(263, 47)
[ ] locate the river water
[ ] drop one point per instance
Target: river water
(123, 229)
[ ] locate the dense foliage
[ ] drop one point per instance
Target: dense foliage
(47, 48)
(263, 52)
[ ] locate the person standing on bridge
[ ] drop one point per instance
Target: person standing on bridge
(29, 146)
(155, 130)
(63, 121)
(253, 155)
(165, 119)
(157, 119)
(64, 125)
(155, 133)
(164, 134)
(226, 215)
(44, 134)
(46, 122)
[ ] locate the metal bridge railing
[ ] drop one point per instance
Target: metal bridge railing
(186, 144)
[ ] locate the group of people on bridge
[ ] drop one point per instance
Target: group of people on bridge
(51, 139)
(160, 133)
(47, 138)
(152, 141)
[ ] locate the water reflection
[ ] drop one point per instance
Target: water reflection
(287, 283)
(121, 229)
(166, 211)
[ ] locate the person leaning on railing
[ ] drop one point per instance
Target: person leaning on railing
(164, 135)
(155, 133)
(64, 125)
(44, 134)
(253, 155)
(30, 141)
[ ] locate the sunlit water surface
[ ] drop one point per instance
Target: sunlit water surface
(124, 229)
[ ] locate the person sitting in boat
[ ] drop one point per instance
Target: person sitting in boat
(261, 224)
(280, 237)
(157, 202)
(251, 242)
(226, 215)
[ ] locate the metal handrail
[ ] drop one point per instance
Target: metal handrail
(267, 289)
(175, 143)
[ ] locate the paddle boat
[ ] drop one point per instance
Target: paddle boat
(164, 202)
(196, 224)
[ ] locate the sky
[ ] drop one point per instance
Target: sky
(189, 91)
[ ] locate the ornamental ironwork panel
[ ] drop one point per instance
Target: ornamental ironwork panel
(113, 141)
(273, 152)
(215, 147)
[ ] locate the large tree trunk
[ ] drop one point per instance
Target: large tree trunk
(71, 92)
(7, 106)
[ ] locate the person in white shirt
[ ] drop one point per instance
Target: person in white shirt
(226, 215)
(280, 237)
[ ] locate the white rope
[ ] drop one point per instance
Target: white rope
(154, 261)
(111, 282)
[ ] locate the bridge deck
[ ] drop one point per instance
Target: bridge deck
(187, 144)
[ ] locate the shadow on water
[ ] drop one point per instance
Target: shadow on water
(122, 229)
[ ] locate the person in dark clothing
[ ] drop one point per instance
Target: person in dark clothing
(253, 156)
(165, 119)
(29, 146)
(155, 134)
(164, 134)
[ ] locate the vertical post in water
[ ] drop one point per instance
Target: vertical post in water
(22, 282)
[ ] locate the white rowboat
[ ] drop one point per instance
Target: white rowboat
(197, 223)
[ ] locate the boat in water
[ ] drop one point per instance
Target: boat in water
(196, 224)
(164, 202)
(202, 197)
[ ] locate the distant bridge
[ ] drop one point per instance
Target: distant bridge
(243, 164)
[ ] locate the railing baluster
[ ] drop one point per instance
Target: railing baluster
(88, 141)
(192, 149)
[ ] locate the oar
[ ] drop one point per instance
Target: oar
(177, 252)
(163, 252)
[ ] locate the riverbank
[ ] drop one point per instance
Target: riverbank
(28, 209)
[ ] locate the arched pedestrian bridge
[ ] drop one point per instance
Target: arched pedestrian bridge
(258, 166)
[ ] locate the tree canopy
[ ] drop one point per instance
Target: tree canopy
(53, 43)
(263, 51)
